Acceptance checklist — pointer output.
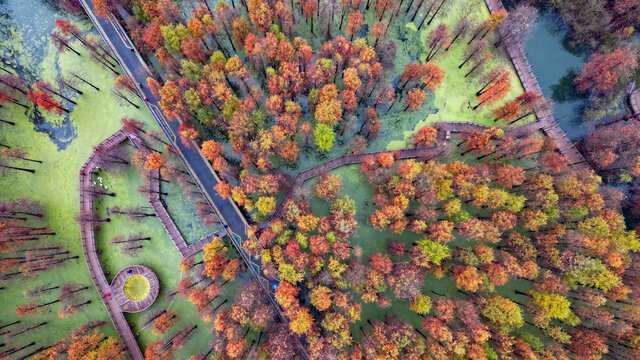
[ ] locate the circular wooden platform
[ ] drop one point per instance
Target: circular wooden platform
(117, 288)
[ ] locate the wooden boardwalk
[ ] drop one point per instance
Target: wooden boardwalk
(444, 133)
(91, 256)
(544, 112)
(117, 288)
(162, 214)
(634, 103)
(116, 303)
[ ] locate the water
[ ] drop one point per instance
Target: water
(25, 26)
(556, 66)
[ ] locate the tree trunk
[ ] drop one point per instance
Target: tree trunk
(18, 168)
(28, 329)
(86, 82)
(60, 95)
(436, 12)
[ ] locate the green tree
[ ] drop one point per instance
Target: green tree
(503, 313)
(173, 36)
(437, 252)
(324, 137)
(421, 304)
(555, 305)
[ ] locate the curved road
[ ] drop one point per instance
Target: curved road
(193, 159)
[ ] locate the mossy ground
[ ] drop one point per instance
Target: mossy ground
(55, 187)
(159, 254)
(371, 241)
(451, 101)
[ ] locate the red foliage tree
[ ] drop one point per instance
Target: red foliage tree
(426, 136)
(603, 71)
(414, 99)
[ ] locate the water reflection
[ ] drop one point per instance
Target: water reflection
(555, 65)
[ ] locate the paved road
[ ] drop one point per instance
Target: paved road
(197, 165)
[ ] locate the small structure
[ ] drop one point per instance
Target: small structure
(135, 288)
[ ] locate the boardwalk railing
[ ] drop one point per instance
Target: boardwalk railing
(543, 112)
(98, 277)
(634, 103)
(87, 227)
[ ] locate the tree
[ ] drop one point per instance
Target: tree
(328, 187)
(213, 151)
(261, 14)
(405, 280)
(436, 40)
(172, 101)
(412, 73)
(467, 277)
(165, 322)
(356, 20)
(508, 112)
(372, 124)
(152, 36)
(323, 137)
(386, 159)
(415, 98)
(502, 312)
(509, 176)
(517, 26)
(496, 88)
(266, 205)
(157, 351)
(300, 321)
(381, 263)
(554, 305)
(321, 298)
(425, 137)
(421, 304)
(603, 71)
(433, 76)
(554, 162)
(46, 101)
(188, 134)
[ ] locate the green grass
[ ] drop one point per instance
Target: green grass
(159, 254)
(370, 241)
(55, 187)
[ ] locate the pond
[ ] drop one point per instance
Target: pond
(25, 26)
(556, 66)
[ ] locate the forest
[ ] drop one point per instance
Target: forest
(316, 179)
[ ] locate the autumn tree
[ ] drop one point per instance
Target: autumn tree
(603, 71)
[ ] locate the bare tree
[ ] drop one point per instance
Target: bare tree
(515, 29)
(136, 214)
(81, 77)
